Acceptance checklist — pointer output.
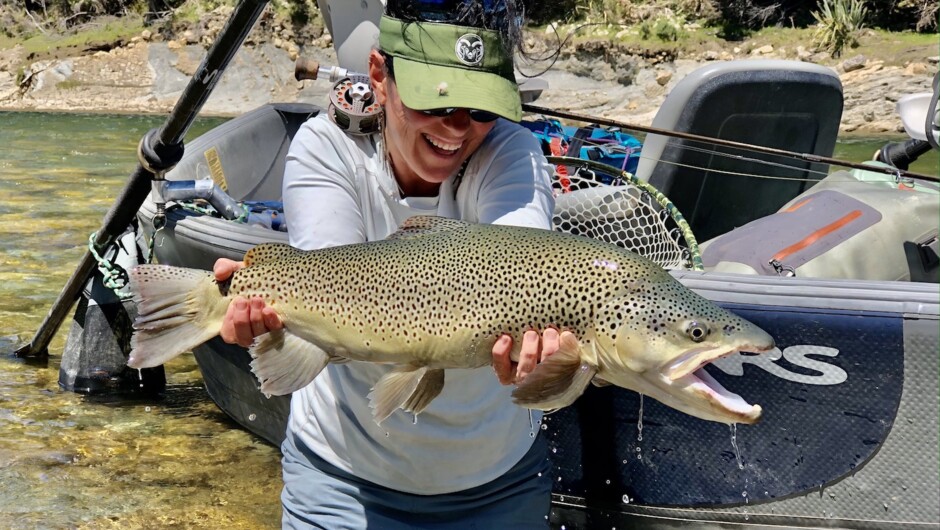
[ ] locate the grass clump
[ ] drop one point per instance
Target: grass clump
(839, 23)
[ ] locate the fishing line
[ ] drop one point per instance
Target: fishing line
(727, 143)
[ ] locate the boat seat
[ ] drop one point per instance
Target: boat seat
(787, 105)
(246, 156)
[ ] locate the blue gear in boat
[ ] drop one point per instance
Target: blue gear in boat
(606, 146)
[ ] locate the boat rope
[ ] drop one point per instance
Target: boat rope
(113, 276)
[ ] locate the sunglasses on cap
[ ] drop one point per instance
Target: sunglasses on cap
(480, 116)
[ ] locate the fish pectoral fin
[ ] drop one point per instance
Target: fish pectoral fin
(407, 387)
(557, 381)
(284, 362)
(428, 388)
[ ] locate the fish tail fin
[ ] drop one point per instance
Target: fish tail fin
(177, 308)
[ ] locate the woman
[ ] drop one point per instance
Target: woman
(449, 147)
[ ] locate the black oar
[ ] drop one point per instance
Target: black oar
(160, 150)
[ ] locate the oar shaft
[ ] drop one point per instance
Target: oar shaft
(138, 186)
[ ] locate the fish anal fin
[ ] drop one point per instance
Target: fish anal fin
(270, 252)
(285, 363)
(558, 380)
(421, 225)
(408, 387)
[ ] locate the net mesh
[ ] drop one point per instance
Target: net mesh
(601, 202)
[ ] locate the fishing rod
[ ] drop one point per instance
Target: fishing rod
(159, 150)
(899, 173)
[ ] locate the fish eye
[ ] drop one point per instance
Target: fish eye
(697, 332)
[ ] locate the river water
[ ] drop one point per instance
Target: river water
(69, 461)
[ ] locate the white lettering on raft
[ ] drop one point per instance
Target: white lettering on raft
(828, 374)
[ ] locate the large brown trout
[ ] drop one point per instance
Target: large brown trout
(437, 294)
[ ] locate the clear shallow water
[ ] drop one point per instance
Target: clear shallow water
(71, 461)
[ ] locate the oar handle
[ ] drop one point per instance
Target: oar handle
(168, 139)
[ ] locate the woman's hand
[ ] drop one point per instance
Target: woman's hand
(534, 349)
(245, 319)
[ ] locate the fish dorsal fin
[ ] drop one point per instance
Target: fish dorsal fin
(270, 252)
(422, 225)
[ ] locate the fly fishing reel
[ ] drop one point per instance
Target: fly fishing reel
(352, 102)
(353, 106)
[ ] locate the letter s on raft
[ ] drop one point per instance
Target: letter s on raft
(798, 355)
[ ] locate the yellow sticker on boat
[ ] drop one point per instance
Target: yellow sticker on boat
(215, 168)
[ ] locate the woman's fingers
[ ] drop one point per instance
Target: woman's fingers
(550, 342)
(535, 348)
(502, 364)
(528, 355)
(227, 332)
(256, 316)
(241, 322)
(224, 268)
(271, 319)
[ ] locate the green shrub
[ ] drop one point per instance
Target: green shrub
(839, 23)
(667, 29)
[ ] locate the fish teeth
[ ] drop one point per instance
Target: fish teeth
(442, 145)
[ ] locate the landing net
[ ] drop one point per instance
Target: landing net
(602, 202)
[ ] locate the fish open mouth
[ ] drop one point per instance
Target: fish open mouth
(689, 371)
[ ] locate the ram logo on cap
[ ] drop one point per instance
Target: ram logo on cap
(469, 49)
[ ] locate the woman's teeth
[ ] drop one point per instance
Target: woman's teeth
(442, 145)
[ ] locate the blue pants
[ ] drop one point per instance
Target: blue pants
(318, 495)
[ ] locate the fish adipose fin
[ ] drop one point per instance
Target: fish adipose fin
(557, 381)
(284, 362)
(169, 319)
(270, 252)
(407, 387)
(421, 225)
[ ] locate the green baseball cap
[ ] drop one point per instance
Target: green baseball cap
(441, 65)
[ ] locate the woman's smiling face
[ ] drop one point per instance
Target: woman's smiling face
(424, 150)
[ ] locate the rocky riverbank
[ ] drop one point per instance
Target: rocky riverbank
(147, 73)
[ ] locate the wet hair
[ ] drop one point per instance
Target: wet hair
(502, 16)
